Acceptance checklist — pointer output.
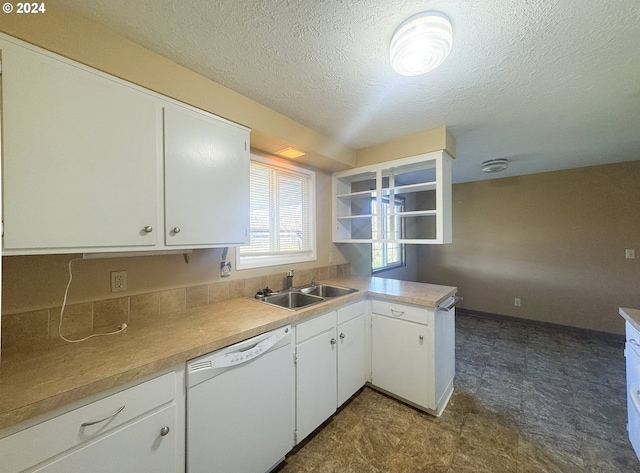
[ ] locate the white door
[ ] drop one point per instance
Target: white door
(80, 155)
(139, 447)
(351, 358)
(399, 359)
(315, 382)
(206, 179)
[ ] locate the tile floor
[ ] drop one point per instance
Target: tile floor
(527, 399)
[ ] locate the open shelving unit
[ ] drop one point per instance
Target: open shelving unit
(367, 200)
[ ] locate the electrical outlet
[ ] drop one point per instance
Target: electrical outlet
(630, 253)
(517, 302)
(118, 281)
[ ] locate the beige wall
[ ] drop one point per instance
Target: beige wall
(556, 240)
(414, 144)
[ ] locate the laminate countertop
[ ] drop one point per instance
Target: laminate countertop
(632, 316)
(35, 382)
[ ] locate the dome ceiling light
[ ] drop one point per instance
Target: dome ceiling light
(421, 43)
(495, 165)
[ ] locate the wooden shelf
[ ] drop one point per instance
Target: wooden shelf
(351, 217)
(351, 195)
(420, 187)
(415, 213)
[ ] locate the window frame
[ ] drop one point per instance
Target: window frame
(276, 259)
(401, 246)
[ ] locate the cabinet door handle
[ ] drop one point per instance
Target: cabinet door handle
(147, 229)
(421, 338)
(634, 342)
(176, 230)
(164, 431)
(342, 336)
(87, 424)
(397, 313)
(333, 341)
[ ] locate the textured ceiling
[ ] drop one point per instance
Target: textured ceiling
(548, 84)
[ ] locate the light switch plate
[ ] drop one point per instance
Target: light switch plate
(630, 253)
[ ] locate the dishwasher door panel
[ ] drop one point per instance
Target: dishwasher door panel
(242, 420)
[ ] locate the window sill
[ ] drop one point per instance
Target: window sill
(251, 262)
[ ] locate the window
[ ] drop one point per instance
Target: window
(386, 255)
(281, 217)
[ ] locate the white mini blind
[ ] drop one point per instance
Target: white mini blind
(280, 217)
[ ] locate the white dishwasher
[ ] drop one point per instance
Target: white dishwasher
(240, 406)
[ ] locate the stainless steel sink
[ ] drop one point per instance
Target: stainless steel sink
(325, 290)
(292, 300)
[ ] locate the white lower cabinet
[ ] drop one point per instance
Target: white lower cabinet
(316, 373)
(351, 351)
(138, 429)
(413, 353)
(330, 364)
(139, 446)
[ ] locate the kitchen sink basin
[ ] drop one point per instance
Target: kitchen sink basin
(325, 290)
(292, 300)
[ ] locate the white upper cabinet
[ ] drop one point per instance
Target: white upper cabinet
(92, 163)
(206, 179)
(402, 201)
(79, 157)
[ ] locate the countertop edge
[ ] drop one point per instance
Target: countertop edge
(632, 316)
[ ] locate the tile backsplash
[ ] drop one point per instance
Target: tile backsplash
(40, 328)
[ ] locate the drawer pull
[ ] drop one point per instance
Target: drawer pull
(333, 341)
(87, 424)
(164, 431)
(397, 313)
(342, 335)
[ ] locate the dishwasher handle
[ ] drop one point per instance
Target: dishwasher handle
(246, 354)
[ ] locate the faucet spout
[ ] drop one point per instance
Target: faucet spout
(289, 280)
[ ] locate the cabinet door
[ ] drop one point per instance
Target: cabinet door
(137, 447)
(315, 382)
(351, 358)
(206, 179)
(80, 155)
(400, 361)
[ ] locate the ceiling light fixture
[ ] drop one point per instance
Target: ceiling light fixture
(421, 43)
(495, 165)
(290, 153)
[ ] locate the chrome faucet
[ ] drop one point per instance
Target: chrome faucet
(289, 280)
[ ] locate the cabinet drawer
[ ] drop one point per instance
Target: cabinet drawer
(137, 447)
(317, 325)
(420, 315)
(40, 442)
(350, 312)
